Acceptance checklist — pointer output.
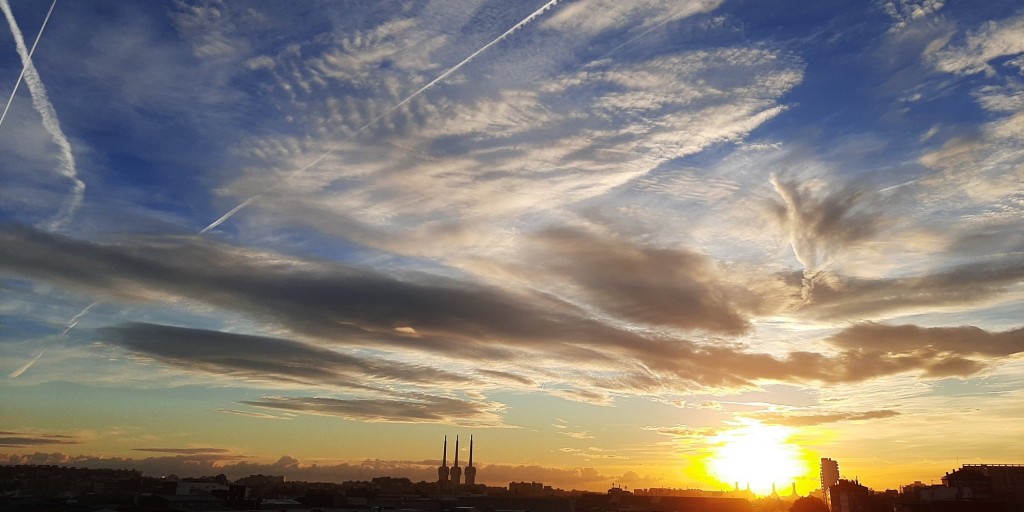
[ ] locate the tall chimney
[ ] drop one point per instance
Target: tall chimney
(456, 473)
(470, 470)
(442, 470)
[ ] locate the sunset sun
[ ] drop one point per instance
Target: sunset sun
(758, 455)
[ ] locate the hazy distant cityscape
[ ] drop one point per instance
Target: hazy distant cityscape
(969, 488)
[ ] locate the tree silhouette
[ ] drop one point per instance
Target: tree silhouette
(808, 504)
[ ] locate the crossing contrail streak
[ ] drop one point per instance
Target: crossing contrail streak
(74, 320)
(50, 122)
(544, 8)
(894, 187)
(23, 68)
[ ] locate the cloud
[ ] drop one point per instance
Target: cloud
(808, 420)
(251, 414)
(409, 408)
(266, 359)
(992, 40)
(904, 12)
(42, 104)
(24, 368)
(323, 303)
(647, 285)
(683, 431)
(964, 340)
(506, 376)
(10, 439)
(484, 147)
(186, 451)
(851, 298)
(589, 19)
(820, 228)
(212, 30)
(578, 435)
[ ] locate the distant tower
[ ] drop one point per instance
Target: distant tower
(442, 471)
(470, 470)
(456, 472)
(829, 477)
(794, 489)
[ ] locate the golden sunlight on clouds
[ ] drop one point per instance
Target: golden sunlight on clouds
(759, 455)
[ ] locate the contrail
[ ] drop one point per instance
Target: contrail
(23, 68)
(50, 122)
(17, 373)
(639, 36)
(74, 320)
(544, 8)
(894, 187)
(71, 325)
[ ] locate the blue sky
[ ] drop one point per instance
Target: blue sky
(586, 227)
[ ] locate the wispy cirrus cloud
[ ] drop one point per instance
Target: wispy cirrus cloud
(188, 451)
(252, 414)
(403, 408)
(991, 40)
(13, 439)
(809, 420)
(42, 104)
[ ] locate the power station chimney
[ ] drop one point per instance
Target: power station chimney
(456, 472)
(470, 470)
(442, 471)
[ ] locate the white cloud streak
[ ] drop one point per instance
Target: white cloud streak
(74, 320)
(31, 52)
(544, 8)
(24, 368)
(42, 104)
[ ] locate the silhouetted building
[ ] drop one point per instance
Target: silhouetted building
(848, 496)
(470, 470)
(1007, 480)
(528, 489)
(969, 484)
(456, 472)
(442, 470)
(829, 476)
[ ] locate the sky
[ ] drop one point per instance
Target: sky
(615, 242)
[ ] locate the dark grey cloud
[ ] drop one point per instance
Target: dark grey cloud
(340, 305)
(964, 340)
(406, 408)
(671, 287)
(24, 439)
(857, 298)
(218, 452)
(264, 358)
(807, 420)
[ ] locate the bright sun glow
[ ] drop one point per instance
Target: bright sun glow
(758, 455)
